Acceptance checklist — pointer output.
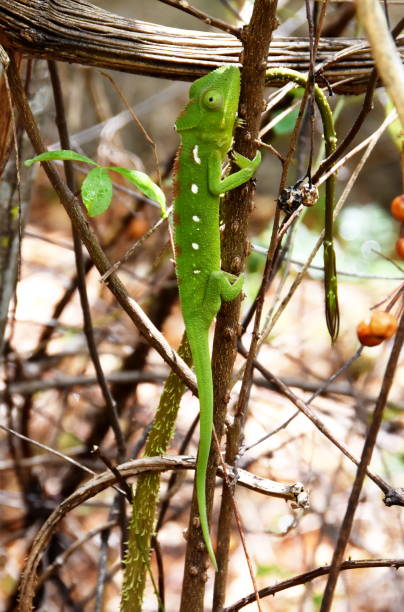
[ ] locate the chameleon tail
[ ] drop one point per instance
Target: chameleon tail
(198, 340)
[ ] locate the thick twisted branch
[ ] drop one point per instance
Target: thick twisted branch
(294, 493)
(76, 31)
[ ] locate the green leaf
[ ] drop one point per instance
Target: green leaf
(317, 599)
(394, 128)
(96, 191)
(62, 155)
(286, 125)
(144, 183)
(275, 570)
(67, 440)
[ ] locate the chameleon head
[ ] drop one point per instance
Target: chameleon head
(212, 107)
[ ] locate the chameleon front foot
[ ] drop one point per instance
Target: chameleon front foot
(223, 286)
(244, 162)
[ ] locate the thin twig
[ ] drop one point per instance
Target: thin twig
(136, 120)
(183, 5)
(370, 441)
(331, 379)
(116, 512)
(311, 575)
(354, 129)
(308, 412)
(227, 480)
(110, 405)
(135, 246)
(236, 210)
(319, 391)
(384, 51)
(107, 479)
(62, 558)
(121, 481)
(66, 382)
(371, 143)
(49, 449)
(361, 275)
(74, 210)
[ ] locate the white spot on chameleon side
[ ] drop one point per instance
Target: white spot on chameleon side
(195, 246)
(194, 188)
(196, 218)
(195, 154)
(197, 271)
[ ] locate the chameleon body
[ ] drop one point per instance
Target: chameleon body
(206, 130)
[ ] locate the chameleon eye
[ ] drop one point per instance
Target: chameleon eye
(212, 99)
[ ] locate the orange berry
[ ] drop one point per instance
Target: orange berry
(365, 337)
(137, 227)
(400, 247)
(397, 208)
(383, 324)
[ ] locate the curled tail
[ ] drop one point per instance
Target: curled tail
(199, 343)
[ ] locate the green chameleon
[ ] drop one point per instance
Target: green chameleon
(206, 128)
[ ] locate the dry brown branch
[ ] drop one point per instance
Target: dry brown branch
(79, 32)
(88, 236)
(368, 448)
(311, 575)
(384, 51)
(75, 31)
(294, 492)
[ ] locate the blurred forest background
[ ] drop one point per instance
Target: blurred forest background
(50, 394)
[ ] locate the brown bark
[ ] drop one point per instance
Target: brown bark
(76, 31)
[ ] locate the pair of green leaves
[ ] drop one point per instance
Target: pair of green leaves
(96, 189)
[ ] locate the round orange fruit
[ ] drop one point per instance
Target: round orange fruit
(397, 207)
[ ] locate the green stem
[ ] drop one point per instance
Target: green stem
(330, 138)
(145, 502)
